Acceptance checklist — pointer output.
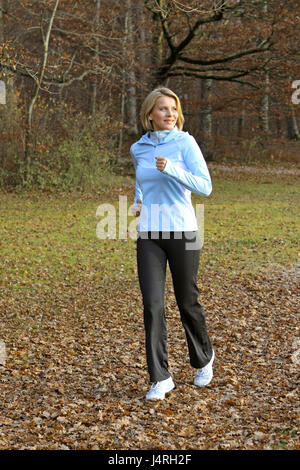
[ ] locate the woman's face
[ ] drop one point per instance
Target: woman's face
(164, 115)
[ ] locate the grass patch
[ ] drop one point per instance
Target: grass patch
(250, 224)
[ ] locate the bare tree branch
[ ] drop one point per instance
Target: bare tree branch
(39, 81)
(177, 51)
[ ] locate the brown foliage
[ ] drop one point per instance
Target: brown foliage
(232, 64)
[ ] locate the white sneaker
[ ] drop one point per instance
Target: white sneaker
(158, 390)
(204, 375)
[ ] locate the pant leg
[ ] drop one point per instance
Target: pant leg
(184, 264)
(151, 263)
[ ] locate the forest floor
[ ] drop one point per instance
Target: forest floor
(293, 170)
(74, 374)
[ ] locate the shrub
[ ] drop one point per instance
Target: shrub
(68, 151)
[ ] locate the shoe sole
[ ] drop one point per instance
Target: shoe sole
(157, 399)
(203, 384)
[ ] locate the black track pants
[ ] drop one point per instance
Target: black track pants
(182, 251)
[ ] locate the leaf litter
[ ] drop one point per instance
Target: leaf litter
(75, 374)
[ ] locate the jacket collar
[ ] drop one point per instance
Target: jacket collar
(146, 139)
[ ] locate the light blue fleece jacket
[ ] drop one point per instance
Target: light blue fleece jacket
(166, 195)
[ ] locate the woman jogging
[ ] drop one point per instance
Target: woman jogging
(169, 166)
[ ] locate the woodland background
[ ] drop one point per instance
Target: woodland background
(75, 73)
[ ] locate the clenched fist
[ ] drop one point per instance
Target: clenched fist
(160, 163)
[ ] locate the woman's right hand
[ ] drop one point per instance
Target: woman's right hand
(136, 209)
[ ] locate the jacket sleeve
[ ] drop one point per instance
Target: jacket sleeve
(196, 178)
(138, 191)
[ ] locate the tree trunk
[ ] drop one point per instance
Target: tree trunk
(122, 110)
(131, 92)
(241, 120)
(3, 82)
(96, 54)
(265, 102)
(265, 105)
(206, 117)
(39, 82)
(142, 75)
(142, 51)
(157, 47)
(1, 22)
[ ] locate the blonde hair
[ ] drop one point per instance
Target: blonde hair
(149, 104)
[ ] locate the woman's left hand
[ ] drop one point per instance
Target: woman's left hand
(160, 163)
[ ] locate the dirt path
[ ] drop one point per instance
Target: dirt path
(255, 169)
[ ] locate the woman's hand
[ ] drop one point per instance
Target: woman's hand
(160, 163)
(136, 209)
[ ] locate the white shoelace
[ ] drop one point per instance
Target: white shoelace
(202, 371)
